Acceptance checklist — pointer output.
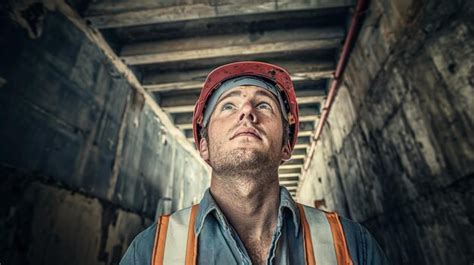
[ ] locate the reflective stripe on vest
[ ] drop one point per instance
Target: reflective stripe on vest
(323, 236)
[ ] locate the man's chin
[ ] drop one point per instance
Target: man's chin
(241, 159)
(245, 155)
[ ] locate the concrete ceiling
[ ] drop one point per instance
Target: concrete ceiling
(173, 45)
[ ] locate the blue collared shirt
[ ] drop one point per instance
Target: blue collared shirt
(220, 244)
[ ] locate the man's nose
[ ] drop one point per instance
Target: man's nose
(248, 113)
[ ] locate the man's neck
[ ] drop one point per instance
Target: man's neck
(251, 207)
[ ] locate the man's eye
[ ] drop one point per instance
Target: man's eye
(264, 105)
(227, 106)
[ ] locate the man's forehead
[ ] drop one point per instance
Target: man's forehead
(243, 91)
(245, 86)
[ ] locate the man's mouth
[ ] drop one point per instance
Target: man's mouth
(246, 132)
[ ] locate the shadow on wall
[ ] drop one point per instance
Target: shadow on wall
(85, 161)
(396, 153)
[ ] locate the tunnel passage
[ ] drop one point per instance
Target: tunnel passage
(97, 98)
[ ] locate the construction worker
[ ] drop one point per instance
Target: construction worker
(245, 125)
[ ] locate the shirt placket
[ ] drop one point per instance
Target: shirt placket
(275, 239)
(244, 257)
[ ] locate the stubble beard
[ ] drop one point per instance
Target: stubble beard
(244, 165)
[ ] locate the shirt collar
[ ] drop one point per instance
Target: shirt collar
(209, 206)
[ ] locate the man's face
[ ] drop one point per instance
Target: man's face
(245, 131)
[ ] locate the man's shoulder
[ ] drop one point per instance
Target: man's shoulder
(363, 248)
(353, 231)
(348, 225)
(181, 213)
(140, 250)
(352, 227)
(147, 236)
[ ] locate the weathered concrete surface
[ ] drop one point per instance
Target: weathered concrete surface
(48, 224)
(108, 163)
(397, 152)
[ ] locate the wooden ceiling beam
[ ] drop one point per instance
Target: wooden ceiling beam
(196, 85)
(301, 146)
(293, 162)
(289, 183)
(288, 176)
(297, 68)
(309, 118)
(185, 80)
(209, 41)
(291, 166)
(298, 156)
(295, 171)
(231, 51)
(128, 13)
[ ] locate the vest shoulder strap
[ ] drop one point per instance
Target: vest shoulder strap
(170, 239)
(324, 237)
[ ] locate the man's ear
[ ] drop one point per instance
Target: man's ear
(286, 151)
(204, 149)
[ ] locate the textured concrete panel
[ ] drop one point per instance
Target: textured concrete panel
(48, 224)
(86, 161)
(396, 153)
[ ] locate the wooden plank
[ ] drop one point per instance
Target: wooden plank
(288, 176)
(131, 16)
(298, 156)
(301, 146)
(291, 166)
(289, 183)
(311, 75)
(305, 133)
(163, 46)
(323, 67)
(173, 86)
(307, 118)
(310, 100)
(197, 85)
(289, 171)
(229, 51)
(186, 126)
(307, 88)
(179, 109)
(293, 162)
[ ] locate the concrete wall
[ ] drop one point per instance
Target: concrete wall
(397, 153)
(86, 162)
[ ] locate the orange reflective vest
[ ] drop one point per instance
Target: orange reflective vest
(324, 240)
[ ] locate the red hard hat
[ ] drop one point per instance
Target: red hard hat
(271, 72)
